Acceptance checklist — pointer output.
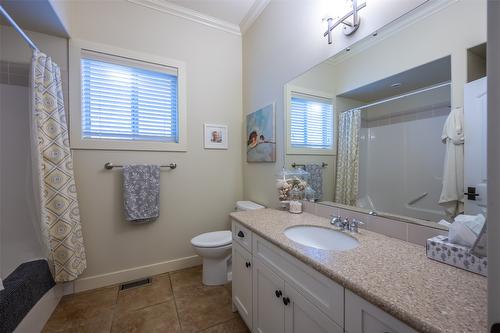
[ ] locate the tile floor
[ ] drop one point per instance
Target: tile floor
(173, 302)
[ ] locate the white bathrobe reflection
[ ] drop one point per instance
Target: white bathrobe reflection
(453, 174)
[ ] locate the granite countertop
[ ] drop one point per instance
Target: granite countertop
(392, 274)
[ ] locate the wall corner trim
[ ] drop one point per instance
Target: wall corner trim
(252, 15)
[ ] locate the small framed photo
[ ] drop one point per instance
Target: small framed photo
(215, 136)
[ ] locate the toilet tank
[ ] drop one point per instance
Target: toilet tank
(247, 205)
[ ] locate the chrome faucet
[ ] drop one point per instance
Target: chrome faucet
(354, 225)
(336, 220)
(345, 224)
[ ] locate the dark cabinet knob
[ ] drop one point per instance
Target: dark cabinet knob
(248, 264)
(241, 234)
(278, 293)
(286, 300)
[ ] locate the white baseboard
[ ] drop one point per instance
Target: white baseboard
(108, 279)
(68, 288)
(36, 318)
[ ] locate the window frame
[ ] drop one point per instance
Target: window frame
(128, 58)
(290, 150)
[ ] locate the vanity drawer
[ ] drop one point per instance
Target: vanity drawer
(242, 236)
(324, 293)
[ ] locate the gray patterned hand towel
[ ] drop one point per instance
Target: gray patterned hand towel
(141, 192)
(315, 179)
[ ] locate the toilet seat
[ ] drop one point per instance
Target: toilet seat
(213, 239)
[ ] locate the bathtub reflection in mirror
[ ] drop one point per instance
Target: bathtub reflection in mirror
(405, 138)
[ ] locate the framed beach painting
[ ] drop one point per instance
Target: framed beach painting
(261, 141)
(215, 136)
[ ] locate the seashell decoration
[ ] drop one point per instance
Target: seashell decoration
(290, 179)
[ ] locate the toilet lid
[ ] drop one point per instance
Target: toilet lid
(213, 239)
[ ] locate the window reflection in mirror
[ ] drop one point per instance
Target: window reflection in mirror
(407, 118)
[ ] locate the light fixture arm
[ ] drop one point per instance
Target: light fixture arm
(350, 28)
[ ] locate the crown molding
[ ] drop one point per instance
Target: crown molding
(252, 15)
(192, 15)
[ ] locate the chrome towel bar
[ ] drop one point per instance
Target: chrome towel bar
(295, 165)
(109, 166)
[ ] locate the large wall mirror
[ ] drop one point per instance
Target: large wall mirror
(396, 125)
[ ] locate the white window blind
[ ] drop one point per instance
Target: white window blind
(311, 122)
(128, 100)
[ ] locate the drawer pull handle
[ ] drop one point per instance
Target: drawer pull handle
(286, 300)
(278, 293)
(248, 264)
(241, 234)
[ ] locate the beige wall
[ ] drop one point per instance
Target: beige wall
(198, 195)
(285, 41)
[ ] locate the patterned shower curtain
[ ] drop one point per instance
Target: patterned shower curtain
(348, 158)
(59, 216)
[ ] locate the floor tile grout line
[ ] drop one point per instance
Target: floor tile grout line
(175, 302)
(115, 306)
(215, 325)
(115, 312)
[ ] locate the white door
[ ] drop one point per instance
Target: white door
(475, 123)
(268, 307)
(302, 316)
(242, 282)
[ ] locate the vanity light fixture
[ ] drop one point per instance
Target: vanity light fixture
(349, 27)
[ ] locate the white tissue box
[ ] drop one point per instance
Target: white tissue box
(438, 248)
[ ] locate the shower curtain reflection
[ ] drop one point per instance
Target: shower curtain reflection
(348, 158)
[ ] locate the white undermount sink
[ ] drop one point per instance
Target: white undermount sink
(321, 238)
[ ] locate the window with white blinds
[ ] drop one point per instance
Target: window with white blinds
(128, 100)
(311, 122)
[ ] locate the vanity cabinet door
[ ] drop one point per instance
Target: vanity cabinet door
(302, 316)
(242, 283)
(364, 317)
(268, 307)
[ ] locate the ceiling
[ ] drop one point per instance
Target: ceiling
(232, 11)
(34, 15)
(234, 16)
(230, 15)
(429, 74)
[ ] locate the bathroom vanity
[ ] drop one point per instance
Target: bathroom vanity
(382, 285)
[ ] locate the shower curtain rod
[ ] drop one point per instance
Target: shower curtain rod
(18, 29)
(411, 93)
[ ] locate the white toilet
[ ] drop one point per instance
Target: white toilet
(215, 249)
